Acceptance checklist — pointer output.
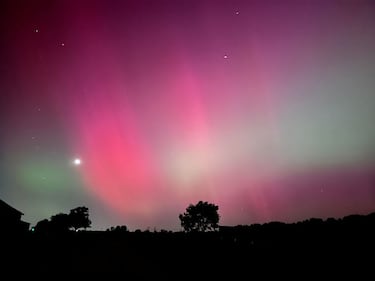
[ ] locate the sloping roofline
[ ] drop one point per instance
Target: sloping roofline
(6, 205)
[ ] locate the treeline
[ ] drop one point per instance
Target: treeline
(76, 219)
(204, 217)
(310, 246)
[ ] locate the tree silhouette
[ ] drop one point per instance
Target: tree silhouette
(60, 223)
(76, 219)
(201, 217)
(43, 226)
(79, 218)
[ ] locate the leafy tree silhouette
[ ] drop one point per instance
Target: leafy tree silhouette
(43, 226)
(201, 217)
(79, 218)
(76, 219)
(60, 222)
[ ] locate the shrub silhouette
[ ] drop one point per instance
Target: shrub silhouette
(201, 217)
(118, 228)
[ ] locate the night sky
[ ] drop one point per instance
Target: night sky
(136, 109)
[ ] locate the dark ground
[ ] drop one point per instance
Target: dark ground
(312, 248)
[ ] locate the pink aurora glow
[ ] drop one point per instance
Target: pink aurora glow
(160, 125)
(267, 112)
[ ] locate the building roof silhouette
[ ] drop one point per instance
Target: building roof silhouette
(6, 208)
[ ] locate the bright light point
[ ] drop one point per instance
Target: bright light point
(237, 12)
(62, 44)
(36, 30)
(225, 56)
(77, 161)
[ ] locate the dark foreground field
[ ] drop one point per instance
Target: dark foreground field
(311, 248)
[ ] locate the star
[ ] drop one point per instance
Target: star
(77, 161)
(237, 13)
(225, 56)
(62, 44)
(36, 30)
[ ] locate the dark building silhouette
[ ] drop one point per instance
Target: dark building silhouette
(10, 219)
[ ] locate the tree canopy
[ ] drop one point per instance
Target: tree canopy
(76, 219)
(79, 218)
(201, 217)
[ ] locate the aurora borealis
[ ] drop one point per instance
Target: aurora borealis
(265, 108)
